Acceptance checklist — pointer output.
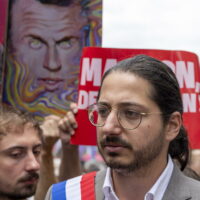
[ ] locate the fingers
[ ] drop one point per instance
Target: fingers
(50, 130)
(50, 126)
(54, 126)
(68, 123)
(74, 107)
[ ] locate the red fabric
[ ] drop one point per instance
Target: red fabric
(96, 60)
(3, 19)
(88, 186)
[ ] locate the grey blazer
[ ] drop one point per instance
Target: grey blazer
(180, 187)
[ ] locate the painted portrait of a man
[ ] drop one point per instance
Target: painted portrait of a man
(45, 41)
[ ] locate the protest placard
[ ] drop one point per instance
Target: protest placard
(95, 61)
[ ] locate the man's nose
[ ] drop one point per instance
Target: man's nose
(112, 125)
(52, 59)
(32, 162)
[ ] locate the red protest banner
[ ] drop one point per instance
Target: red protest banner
(95, 61)
(3, 20)
(3, 26)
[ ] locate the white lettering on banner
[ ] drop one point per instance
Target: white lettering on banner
(110, 63)
(184, 72)
(82, 99)
(189, 102)
(86, 98)
(92, 97)
(91, 72)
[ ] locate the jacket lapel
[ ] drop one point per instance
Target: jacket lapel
(99, 181)
(178, 187)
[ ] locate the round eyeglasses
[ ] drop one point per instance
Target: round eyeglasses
(127, 117)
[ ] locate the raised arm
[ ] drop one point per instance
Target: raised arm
(53, 128)
(47, 176)
(69, 167)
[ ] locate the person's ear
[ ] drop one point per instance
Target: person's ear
(173, 126)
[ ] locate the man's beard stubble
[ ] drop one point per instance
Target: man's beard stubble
(140, 159)
(23, 192)
(17, 194)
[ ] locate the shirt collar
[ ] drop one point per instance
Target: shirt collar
(162, 182)
(108, 186)
(155, 193)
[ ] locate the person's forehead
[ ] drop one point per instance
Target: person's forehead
(30, 12)
(119, 87)
(129, 79)
(36, 6)
(26, 136)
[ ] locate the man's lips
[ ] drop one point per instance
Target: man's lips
(51, 84)
(114, 143)
(111, 147)
(50, 81)
(30, 179)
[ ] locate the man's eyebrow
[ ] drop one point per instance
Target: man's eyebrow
(67, 38)
(102, 102)
(37, 38)
(21, 147)
(130, 104)
(121, 104)
(37, 145)
(133, 104)
(13, 148)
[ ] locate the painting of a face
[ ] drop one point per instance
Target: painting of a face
(43, 57)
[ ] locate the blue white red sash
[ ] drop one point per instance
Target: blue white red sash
(78, 188)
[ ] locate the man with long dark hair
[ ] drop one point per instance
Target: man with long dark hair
(138, 116)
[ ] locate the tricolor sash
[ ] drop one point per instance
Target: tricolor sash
(78, 188)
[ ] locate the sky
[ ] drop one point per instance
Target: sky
(152, 24)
